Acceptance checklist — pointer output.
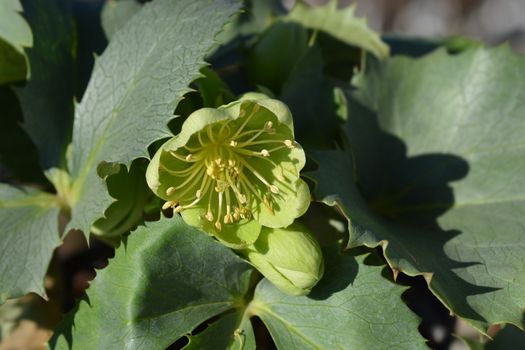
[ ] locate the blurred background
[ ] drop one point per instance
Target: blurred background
(492, 21)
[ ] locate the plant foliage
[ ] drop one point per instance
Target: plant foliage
(238, 116)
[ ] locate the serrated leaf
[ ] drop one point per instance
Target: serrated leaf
(134, 89)
(116, 13)
(164, 281)
(340, 23)
(131, 192)
(442, 162)
(28, 236)
(15, 35)
(352, 307)
(47, 98)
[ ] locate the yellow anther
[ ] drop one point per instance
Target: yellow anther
(170, 191)
(168, 204)
(218, 225)
(242, 198)
(209, 216)
(233, 143)
(274, 189)
(198, 194)
(265, 153)
(177, 209)
(188, 157)
(268, 125)
(289, 143)
(228, 218)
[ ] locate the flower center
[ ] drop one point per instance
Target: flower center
(220, 170)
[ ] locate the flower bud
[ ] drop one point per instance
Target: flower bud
(289, 257)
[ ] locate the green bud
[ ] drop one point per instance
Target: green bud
(232, 170)
(289, 257)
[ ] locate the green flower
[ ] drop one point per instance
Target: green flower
(234, 169)
(289, 257)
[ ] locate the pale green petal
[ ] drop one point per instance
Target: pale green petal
(238, 236)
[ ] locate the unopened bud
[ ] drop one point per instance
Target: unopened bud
(289, 257)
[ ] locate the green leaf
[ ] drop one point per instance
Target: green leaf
(233, 331)
(28, 236)
(116, 13)
(311, 99)
(134, 89)
(275, 54)
(18, 156)
(509, 337)
(15, 35)
(340, 23)
(47, 98)
(353, 306)
(163, 282)
(440, 166)
(132, 192)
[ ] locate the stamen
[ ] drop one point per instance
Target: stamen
(265, 153)
(240, 197)
(170, 191)
(178, 172)
(168, 204)
(199, 135)
(209, 131)
(289, 143)
(188, 158)
(259, 133)
(279, 148)
(233, 143)
(256, 173)
(274, 189)
(194, 176)
(247, 183)
(255, 109)
(219, 212)
(195, 179)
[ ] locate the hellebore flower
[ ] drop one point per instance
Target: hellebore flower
(289, 257)
(234, 169)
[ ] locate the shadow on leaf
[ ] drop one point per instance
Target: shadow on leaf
(394, 200)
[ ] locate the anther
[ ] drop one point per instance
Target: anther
(274, 189)
(233, 143)
(228, 219)
(268, 125)
(188, 157)
(265, 153)
(209, 216)
(289, 143)
(242, 198)
(168, 204)
(218, 225)
(170, 191)
(177, 209)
